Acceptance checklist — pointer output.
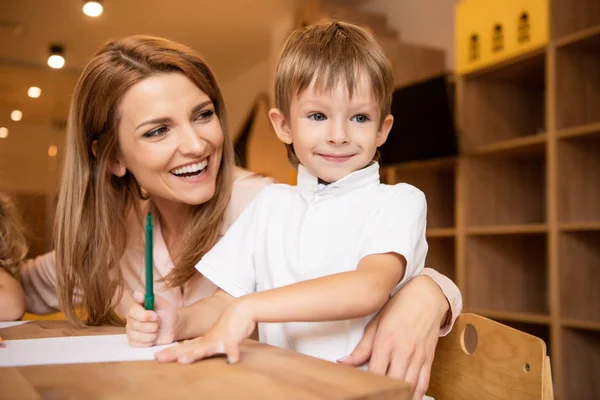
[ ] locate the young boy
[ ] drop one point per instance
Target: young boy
(13, 249)
(311, 264)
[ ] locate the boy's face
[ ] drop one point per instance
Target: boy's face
(334, 135)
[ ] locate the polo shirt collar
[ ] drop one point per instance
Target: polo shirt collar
(309, 185)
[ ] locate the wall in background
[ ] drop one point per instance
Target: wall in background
(425, 22)
(241, 91)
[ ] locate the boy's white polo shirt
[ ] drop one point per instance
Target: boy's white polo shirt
(290, 234)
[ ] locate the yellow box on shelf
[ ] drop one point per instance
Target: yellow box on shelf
(492, 31)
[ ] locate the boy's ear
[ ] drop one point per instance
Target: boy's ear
(384, 130)
(280, 125)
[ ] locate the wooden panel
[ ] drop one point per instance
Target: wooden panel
(20, 388)
(506, 363)
(507, 273)
(579, 179)
(265, 372)
(570, 16)
(504, 191)
(503, 103)
(578, 87)
(441, 256)
(581, 357)
(580, 275)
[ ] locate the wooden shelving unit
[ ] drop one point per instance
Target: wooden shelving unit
(515, 219)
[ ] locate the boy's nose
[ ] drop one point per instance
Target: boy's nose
(338, 134)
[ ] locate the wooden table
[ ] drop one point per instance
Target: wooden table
(265, 372)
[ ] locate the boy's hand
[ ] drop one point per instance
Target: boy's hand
(147, 328)
(234, 325)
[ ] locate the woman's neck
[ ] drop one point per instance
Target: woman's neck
(174, 218)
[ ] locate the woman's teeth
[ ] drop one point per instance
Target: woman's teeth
(191, 170)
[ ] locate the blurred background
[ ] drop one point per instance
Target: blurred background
(497, 120)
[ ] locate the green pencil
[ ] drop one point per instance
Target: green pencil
(149, 299)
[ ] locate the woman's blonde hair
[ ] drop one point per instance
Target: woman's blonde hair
(13, 242)
(327, 52)
(90, 224)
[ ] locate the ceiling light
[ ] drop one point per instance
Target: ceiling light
(52, 151)
(34, 92)
(56, 59)
(16, 115)
(3, 133)
(92, 8)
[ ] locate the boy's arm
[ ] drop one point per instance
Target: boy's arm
(12, 298)
(195, 320)
(341, 296)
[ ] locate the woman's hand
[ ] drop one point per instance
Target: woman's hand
(234, 325)
(147, 328)
(400, 341)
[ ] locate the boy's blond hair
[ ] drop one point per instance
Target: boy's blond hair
(13, 244)
(329, 52)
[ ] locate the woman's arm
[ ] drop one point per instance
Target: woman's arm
(400, 342)
(12, 299)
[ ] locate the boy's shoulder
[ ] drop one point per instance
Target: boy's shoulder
(279, 191)
(401, 190)
(401, 195)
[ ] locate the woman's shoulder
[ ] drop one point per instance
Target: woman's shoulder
(246, 186)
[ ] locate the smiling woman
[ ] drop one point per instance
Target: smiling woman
(146, 133)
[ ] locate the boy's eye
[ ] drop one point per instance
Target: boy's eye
(317, 116)
(156, 132)
(361, 118)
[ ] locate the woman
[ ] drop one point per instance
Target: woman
(147, 132)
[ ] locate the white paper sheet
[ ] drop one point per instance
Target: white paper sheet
(73, 350)
(12, 323)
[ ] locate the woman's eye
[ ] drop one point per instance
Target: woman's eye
(361, 118)
(157, 132)
(204, 115)
(317, 116)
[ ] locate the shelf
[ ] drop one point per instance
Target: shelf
(503, 102)
(570, 17)
(518, 146)
(577, 86)
(577, 324)
(506, 230)
(528, 318)
(587, 39)
(441, 232)
(507, 273)
(436, 163)
(438, 184)
(579, 263)
(581, 363)
(591, 129)
(441, 256)
(504, 191)
(579, 179)
(579, 227)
